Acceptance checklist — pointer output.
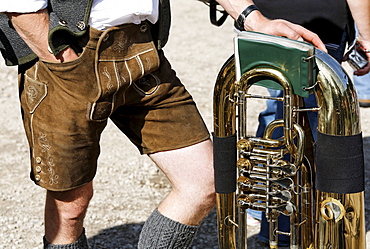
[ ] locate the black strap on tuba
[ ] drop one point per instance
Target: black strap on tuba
(340, 163)
(224, 156)
(213, 12)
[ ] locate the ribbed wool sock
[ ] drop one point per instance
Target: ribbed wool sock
(80, 243)
(160, 232)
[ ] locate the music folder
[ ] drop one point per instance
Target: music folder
(295, 59)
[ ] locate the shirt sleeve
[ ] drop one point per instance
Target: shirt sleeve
(22, 6)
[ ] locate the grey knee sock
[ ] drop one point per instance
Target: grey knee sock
(80, 243)
(160, 232)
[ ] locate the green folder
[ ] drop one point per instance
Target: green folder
(292, 58)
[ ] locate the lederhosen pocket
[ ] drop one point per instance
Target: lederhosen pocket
(124, 54)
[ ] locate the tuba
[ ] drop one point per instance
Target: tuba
(320, 190)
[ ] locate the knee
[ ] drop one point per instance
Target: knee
(71, 204)
(204, 196)
(210, 197)
(207, 188)
(204, 201)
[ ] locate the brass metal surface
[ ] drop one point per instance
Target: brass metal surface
(264, 173)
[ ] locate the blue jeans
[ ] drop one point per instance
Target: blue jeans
(362, 84)
(274, 110)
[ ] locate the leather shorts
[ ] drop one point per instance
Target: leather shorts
(119, 75)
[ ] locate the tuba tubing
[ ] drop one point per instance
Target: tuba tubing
(332, 205)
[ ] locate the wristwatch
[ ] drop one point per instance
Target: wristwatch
(239, 23)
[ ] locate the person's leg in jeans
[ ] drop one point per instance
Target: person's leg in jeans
(274, 110)
(362, 84)
(264, 118)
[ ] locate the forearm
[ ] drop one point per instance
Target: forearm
(360, 11)
(255, 19)
(234, 7)
(33, 28)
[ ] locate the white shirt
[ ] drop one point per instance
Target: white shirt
(22, 6)
(104, 13)
(108, 13)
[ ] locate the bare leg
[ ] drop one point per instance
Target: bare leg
(64, 214)
(175, 223)
(190, 172)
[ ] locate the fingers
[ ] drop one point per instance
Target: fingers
(66, 55)
(309, 37)
(292, 31)
(362, 71)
